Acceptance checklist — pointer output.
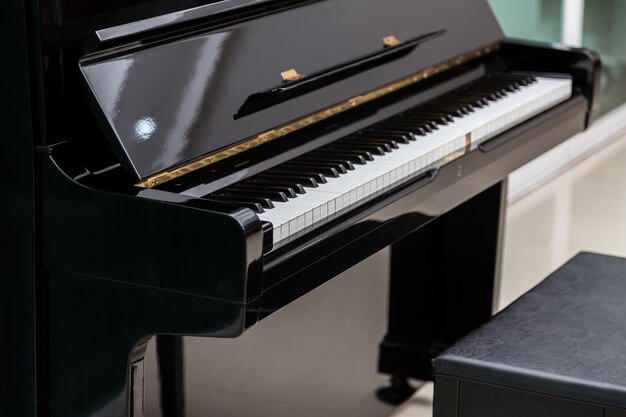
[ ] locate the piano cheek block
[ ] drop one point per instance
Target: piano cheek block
(148, 242)
(96, 331)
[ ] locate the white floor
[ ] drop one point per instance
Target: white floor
(583, 209)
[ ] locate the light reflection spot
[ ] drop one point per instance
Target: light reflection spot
(144, 128)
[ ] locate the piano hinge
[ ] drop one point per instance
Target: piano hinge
(288, 128)
(290, 75)
(390, 41)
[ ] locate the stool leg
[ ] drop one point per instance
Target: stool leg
(443, 279)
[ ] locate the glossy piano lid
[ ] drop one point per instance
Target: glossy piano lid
(164, 104)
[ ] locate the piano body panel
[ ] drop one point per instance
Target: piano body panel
(96, 328)
(178, 244)
(180, 107)
(320, 255)
(19, 249)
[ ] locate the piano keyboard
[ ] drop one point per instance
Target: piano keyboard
(303, 193)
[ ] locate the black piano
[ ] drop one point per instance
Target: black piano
(191, 167)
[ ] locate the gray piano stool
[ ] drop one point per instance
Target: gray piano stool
(557, 351)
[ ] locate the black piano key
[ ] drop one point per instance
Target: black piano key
(353, 158)
(489, 92)
(416, 120)
(256, 207)
(373, 149)
(400, 138)
(339, 167)
(451, 110)
(462, 100)
(395, 132)
(305, 180)
(288, 171)
(296, 186)
(387, 144)
(264, 202)
(499, 85)
(317, 176)
(345, 163)
(490, 96)
(254, 193)
(529, 79)
(510, 86)
(327, 171)
(433, 115)
(409, 125)
(434, 124)
(498, 78)
(360, 158)
(289, 192)
(464, 106)
(441, 107)
(523, 79)
(486, 95)
(472, 97)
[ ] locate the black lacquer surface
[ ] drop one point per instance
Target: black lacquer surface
(111, 265)
(305, 84)
(170, 242)
(18, 209)
(153, 217)
(158, 116)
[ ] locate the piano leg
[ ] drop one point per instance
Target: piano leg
(443, 281)
(170, 362)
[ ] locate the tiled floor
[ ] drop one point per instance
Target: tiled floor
(318, 355)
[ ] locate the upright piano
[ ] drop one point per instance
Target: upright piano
(191, 167)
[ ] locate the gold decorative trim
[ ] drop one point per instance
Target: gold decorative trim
(283, 130)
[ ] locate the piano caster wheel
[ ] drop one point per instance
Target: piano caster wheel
(398, 391)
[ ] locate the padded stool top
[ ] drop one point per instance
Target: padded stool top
(565, 337)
